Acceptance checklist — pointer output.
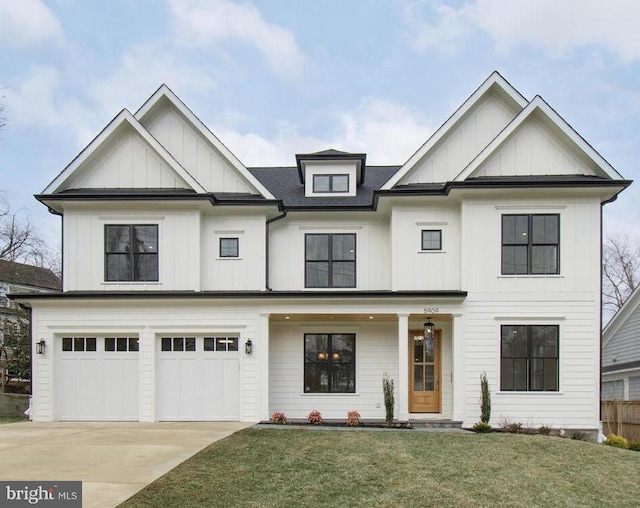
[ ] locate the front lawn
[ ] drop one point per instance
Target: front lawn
(13, 419)
(298, 467)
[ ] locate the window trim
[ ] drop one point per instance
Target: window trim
(529, 359)
(331, 177)
(235, 240)
(422, 247)
(330, 363)
(131, 255)
(330, 261)
(529, 245)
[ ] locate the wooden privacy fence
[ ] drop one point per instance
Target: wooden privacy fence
(621, 417)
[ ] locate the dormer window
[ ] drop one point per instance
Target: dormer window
(330, 183)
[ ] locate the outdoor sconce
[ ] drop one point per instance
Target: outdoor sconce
(248, 347)
(429, 329)
(41, 345)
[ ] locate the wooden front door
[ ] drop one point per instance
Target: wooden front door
(424, 373)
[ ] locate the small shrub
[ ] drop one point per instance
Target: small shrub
(315, 418)
(482, 427)
(634, 445)
(579, 436)
(513, 428)
(544, 430)
(279, 418)
(617, 441)
(485, 399)
(353, 419)
(389, 399)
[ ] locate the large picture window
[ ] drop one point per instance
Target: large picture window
(531, 244)
(329, 363)
(529, 358)
(131, 252)
(330, 261)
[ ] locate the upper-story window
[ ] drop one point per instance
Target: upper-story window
(229, 248)
(330, 183)
(131, 252)
(431, 239)
(330, 260)
(531, 244)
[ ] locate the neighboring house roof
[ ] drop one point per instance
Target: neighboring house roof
(621, 336)
(28, 275)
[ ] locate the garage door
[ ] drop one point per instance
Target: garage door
(198, 378)
(97, 378)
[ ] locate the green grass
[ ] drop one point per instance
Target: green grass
(13, 419)
(297, 467)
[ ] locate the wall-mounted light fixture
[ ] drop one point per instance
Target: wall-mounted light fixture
(41, 346)
(248, 347)
(429, 329)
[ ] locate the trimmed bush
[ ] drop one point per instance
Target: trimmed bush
(545, 430)
(279, 418)
(353, 419)
(482, 427)
(389, 398)
(485, 399)
(634, 445)
(617, 441)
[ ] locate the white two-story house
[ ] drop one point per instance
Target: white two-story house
(196, 288)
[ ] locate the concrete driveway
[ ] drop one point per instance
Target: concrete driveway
(113, 460)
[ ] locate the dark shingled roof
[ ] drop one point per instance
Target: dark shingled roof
(284, 184)
(27, 275)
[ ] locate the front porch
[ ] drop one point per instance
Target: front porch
(428, 381)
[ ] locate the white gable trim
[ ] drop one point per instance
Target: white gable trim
(621, 316)
(165, 91)
(123, 117)
(538, 104)
(494, 79)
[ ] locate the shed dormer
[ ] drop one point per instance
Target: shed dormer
(331, 173)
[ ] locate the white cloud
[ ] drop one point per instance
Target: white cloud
(203, 22)
(25, 23)
(553, 26)
(387, 132)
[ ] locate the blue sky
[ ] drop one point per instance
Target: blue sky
(273, 78)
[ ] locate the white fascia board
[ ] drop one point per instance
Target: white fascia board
(538, 104)
(621, 316)
(494, 79)
(123, 117)
(165, 91)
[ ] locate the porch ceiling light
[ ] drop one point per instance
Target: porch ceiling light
(429, 329)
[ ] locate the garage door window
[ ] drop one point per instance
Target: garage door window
(221, 343)
(178, 344)
(121, 344)
(78, 344)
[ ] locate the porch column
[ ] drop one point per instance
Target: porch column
(403, 367)
(147, 366)
(458, 338)
(263, 368)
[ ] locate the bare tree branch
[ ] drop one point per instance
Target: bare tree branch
(620, 271)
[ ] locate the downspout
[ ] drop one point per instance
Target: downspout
(266, 250)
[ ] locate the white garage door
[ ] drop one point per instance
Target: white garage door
(198, 378)
(97, 378)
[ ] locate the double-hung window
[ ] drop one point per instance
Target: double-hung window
(529, 358)
(329, 363)
(131, 252)
(531, 244)
(330, 260)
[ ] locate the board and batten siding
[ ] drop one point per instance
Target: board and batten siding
(194, 152)
(287, 250)
(414, 269)
(84, 248)
(376, 353)
(463, 142)
(149, 321)
(247, 271)
(125, 161)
